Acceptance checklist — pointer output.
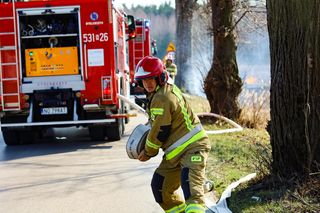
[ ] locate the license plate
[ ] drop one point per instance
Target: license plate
(54, 111)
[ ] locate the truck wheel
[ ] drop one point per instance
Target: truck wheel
(10, 137)
(114, 133)
(97, 133)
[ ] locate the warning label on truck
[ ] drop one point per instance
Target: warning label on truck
(95, 57)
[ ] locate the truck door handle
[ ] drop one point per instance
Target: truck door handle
(85, 62)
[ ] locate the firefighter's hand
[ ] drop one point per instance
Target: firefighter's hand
(143, 157)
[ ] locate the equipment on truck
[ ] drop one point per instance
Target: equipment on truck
(63, 63)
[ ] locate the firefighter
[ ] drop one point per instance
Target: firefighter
(171, 67)
(154, 48)
(178, 131)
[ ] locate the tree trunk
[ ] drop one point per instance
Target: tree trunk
(223, 84)
(184, 13)
(294, 29)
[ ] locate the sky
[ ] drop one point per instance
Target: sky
(143, 2)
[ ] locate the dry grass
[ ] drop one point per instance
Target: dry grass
(255, 110)
(197, 103)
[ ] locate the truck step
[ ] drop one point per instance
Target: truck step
(8, 64)
(9, 79)
(7, 33)
(8, 48)
(10, 94)
(13, 104)
(7, 18)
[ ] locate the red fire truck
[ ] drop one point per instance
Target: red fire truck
(63, 63)
(139, 47)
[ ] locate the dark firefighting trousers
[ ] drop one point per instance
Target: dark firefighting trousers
(188, 171)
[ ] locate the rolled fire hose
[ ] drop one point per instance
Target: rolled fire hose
(137, 140)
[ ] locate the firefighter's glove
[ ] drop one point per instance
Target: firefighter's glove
(143, 157)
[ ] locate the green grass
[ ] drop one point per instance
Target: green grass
(234, 155)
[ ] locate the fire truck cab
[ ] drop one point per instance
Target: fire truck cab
(63, 63)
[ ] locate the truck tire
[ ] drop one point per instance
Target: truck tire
(114, 133)
(97, 133)
(10, 137)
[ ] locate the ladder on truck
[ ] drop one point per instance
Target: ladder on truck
(9, 70)
(138, 48)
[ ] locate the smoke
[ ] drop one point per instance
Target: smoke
(202, 52)
(254, 60)
(253, 53)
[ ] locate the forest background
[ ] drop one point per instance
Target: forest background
(252, 40)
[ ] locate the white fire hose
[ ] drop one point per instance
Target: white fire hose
(134, 105)
(236, 126)
(222, 206)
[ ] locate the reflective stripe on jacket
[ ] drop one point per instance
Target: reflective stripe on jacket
(177, 147)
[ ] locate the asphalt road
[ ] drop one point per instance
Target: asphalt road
(69, 173)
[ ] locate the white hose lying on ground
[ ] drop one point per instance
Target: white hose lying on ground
(236, 129)
(221, 206)
(220, 131)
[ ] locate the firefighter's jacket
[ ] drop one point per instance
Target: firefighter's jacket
(174, 127)
(172, 69)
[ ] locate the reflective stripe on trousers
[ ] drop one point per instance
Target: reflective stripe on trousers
(177, 209)
(195, 208)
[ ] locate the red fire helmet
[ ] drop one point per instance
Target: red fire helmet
(149, 67)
